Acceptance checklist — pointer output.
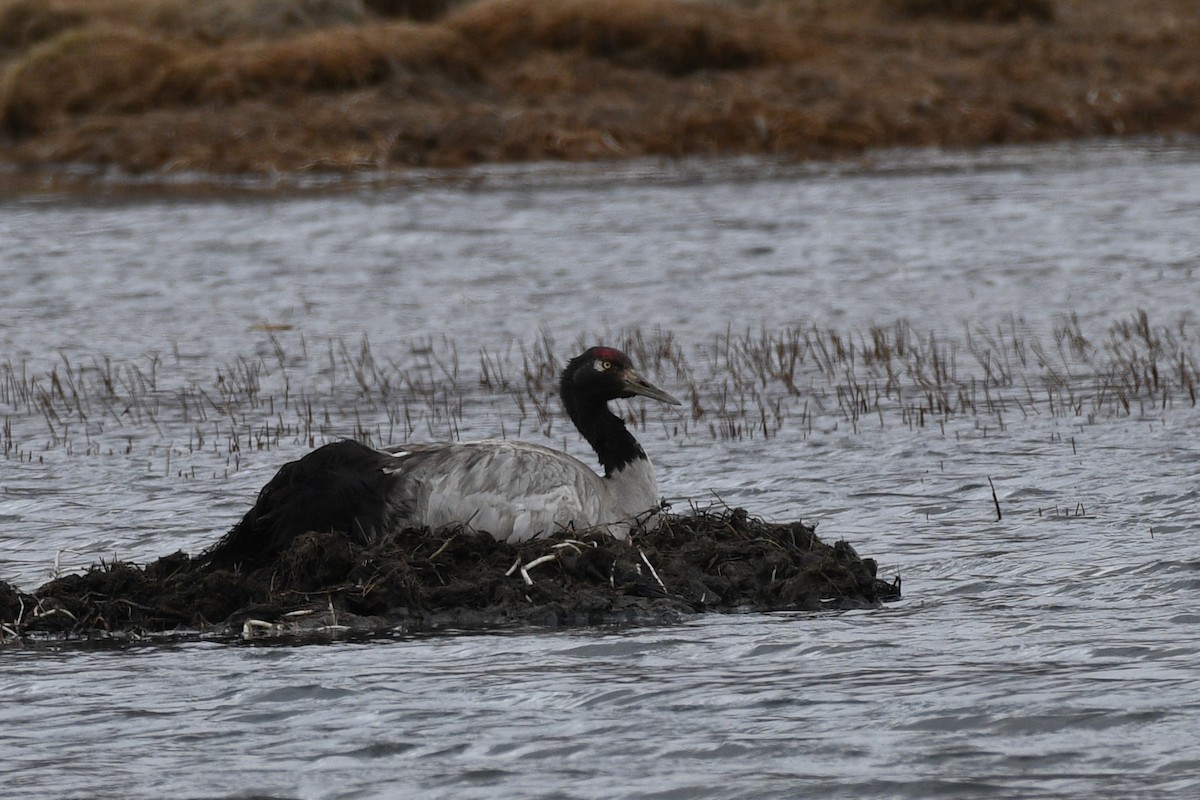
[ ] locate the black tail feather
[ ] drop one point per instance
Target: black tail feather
(338, 487)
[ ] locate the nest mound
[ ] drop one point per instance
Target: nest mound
(326, 582)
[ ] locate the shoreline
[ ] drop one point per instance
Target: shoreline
(87, 180)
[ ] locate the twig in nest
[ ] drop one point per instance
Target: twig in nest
(251, 625)
(42, 613)
(720, 501)
(445, 544)
(653, 571)
(57, 573)
(525, 569)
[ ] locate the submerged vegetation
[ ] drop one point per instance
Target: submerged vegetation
(258, 86)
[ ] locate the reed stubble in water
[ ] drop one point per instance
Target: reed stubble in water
(742, 385)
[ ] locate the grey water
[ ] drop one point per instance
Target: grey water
(1054, 652)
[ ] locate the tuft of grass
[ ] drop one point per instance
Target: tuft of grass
(26, 22)
(93, 69)
(215, 21)
(665, 36)
(336, 59)
(113, 70)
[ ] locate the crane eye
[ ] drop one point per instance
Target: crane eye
(606, 365)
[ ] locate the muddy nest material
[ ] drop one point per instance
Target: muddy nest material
(704, 562)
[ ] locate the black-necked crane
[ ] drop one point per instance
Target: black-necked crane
(513, 490)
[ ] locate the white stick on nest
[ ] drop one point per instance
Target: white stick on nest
(653, 571)
(525, 569)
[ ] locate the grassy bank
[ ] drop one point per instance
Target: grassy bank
(253, 86)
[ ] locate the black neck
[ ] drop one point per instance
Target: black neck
(604, 431)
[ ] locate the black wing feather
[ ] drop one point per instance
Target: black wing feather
(341, 487)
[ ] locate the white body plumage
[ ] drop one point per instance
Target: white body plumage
(518, 490)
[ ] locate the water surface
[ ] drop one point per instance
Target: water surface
(1050, 653)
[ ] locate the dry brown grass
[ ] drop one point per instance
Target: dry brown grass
(668, 36)
(234, 86)
(27, 22)
(24, 22)
(334, 60)
(84, 70)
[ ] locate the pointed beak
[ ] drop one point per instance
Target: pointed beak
(636, 384)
